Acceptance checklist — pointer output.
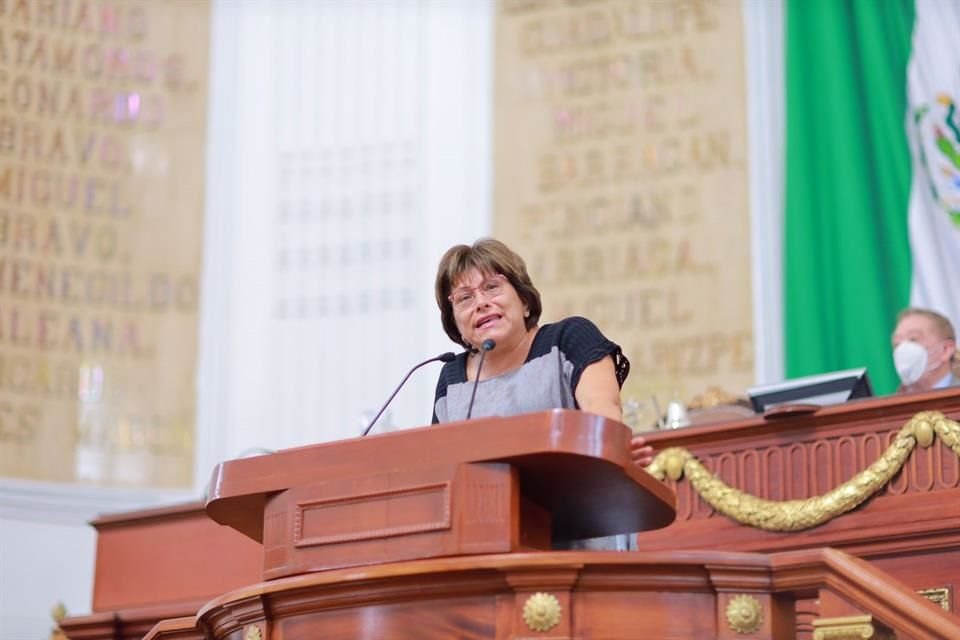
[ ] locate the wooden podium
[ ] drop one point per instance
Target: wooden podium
(453, 493)
(445, 532)
(498, 485)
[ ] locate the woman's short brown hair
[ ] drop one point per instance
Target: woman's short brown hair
(488, 256)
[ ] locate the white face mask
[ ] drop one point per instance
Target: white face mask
(910, 359)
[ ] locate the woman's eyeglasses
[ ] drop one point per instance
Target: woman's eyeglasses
(464, 297)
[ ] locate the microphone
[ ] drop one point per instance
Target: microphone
(443, 357)
(487, 345)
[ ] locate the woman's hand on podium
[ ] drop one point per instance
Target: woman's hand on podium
(640, 452)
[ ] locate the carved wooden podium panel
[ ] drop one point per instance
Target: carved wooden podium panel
(496, 485)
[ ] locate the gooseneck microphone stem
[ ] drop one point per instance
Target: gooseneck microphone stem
(443, 357)
(487, 345)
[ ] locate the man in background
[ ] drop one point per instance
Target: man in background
(924, 350)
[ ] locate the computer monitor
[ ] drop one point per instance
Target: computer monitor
(823, 389)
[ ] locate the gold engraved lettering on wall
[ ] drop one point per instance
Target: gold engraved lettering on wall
(621, 176)
(102, 133)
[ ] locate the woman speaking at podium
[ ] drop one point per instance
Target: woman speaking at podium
(512, 365)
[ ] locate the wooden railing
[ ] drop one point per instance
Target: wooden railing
(848, 587)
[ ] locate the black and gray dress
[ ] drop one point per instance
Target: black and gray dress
(547, 379)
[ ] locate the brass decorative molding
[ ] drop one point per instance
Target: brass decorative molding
(795, 515)
(942, 596)
(713, 397)
(744, 614)
(252, 632)
(541, 612)
(850, 628)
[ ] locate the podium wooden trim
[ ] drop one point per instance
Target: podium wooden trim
(642, 596)
(497, 485)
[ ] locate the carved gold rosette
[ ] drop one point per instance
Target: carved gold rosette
(795, 515)
(253, 633)
(541, 612)
(744, 614)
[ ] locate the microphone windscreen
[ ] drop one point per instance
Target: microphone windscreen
(488, 345)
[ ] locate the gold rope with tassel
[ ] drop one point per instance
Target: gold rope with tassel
(795, 515)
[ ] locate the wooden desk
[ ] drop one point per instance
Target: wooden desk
(154, 564)
(910, 528)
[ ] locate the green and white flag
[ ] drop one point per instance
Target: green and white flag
(872, 184)
(934, 128)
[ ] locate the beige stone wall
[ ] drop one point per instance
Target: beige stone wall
(102, 139)
(621, 175)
